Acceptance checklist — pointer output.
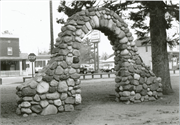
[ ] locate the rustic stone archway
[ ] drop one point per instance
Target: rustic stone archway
(56, 88)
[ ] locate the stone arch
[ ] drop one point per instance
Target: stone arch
(56, 87)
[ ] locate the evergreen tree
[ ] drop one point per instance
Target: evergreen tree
(104, 56)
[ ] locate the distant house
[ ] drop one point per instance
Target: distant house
(12, 62)
(108, 63)
(144, 51)
(173, 54)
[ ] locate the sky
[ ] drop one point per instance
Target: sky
(30, 20)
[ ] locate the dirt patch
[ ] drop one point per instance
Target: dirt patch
(99, 108)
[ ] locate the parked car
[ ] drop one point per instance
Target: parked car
(37, 69)
(83, 70)
(86, 68)
(107, 68)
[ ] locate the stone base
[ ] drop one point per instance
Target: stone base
(38, 97)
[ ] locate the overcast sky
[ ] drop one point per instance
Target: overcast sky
(30, 20)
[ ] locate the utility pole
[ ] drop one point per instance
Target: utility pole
(98, 56)
(95, 68)
(51, 27)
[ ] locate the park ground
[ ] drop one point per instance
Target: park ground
(98, 108)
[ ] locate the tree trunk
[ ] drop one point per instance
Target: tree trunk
(160, 60)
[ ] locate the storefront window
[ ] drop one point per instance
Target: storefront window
(7, 65)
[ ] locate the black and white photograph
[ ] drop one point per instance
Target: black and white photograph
(89, 62)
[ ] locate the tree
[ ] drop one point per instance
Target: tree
(7, 32)
(156, 11)
(158, 26)
(173, 40)
(86, 54)
(104, 56)
(75, 7)
(45, 52)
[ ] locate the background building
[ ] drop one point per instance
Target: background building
(12, 62)
(144, 51)
(41, 61)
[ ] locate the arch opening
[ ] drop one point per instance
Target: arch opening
(57, 87)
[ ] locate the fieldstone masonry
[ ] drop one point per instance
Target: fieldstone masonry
(57, 87)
